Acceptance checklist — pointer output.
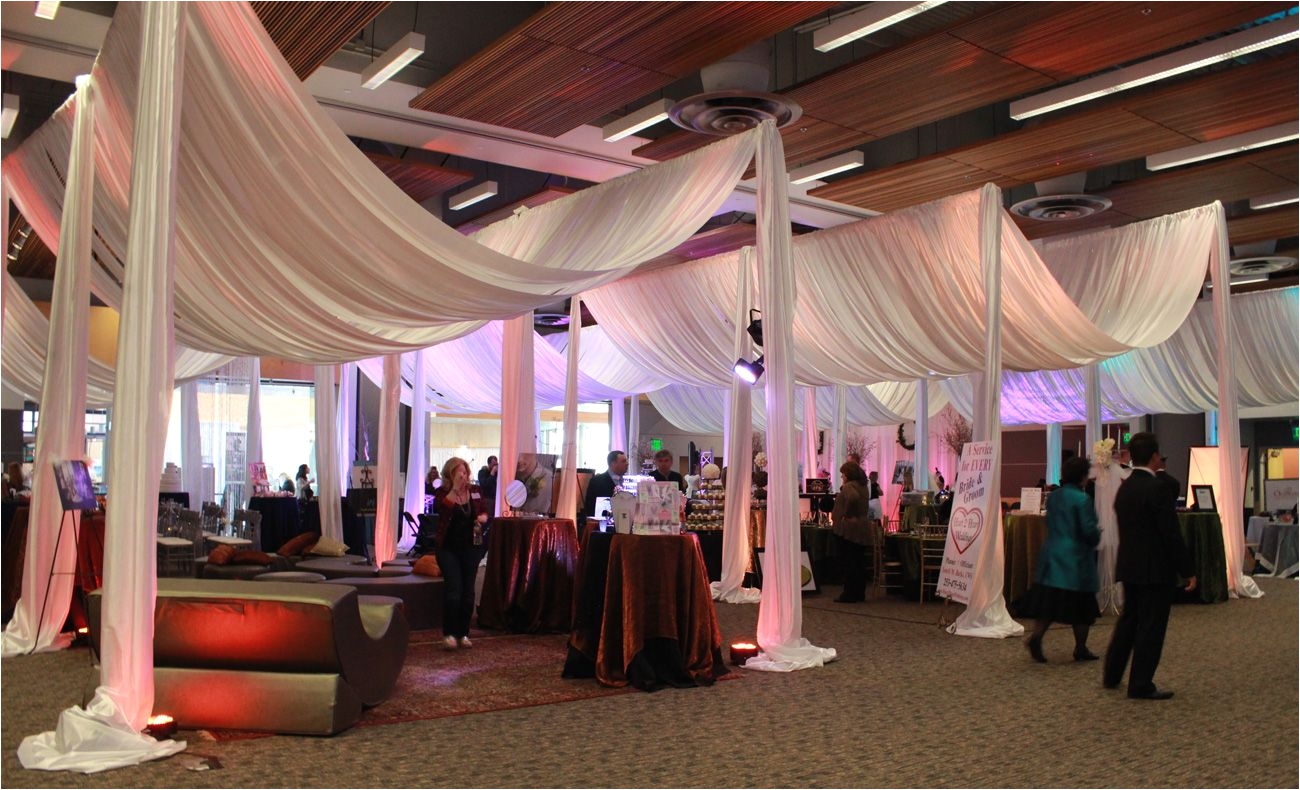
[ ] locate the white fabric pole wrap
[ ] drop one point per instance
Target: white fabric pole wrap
(618, 424)
(634, 433)
(47, 590)
(1092, 405)
(810, 462)
(1053, 465)
(780, 613)
(416, 463)
(516, 400)
(191, 444)
(346, 419)
(738, 457)
(566, 505)
(253, 438)
(329, 495)
(921, 442)
(836, 453)
(986, 614)
(106, 734)
(388, 466)
(1230, 489)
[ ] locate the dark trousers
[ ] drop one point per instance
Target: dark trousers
(459, 567)
(1141, 632)
(853, 564)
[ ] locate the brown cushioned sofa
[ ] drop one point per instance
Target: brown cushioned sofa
(282, 657)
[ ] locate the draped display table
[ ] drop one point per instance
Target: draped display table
(643, 613)
(1023, 537)
(906, 548)
(280, 519)
(528, 583)
(819, 542)
(181, 498)
(1278, 550)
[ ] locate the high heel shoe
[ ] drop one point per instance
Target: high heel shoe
(1035, 648)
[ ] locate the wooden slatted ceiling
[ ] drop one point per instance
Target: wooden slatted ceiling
(1275, 223)
(576, 61)
(309, 33)
(420, 180)
(1011, 50)
(1112, 132)
(35, 260)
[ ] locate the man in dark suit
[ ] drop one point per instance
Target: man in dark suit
(1152, 558)
(664, 471)
(605, 483)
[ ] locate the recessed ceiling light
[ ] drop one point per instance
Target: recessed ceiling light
(472, 195)
(408, 48)
(873, 17)
(835, 164)
(1276, 199)
(1225, 146)
(633, 122)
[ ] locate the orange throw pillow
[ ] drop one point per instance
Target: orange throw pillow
(221, 554)
(250, 557)
(298, 544)
(427, 566)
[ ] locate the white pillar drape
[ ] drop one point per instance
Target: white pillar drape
(566, 504)
(1053, 474)
(835, 454)
(46, 589)
(106, 734)
(329, 494)
(346, 420)
(618, 424)
(1231, 486)
(191, 444)
(737, 451)
(387, 469)
(1092, 396)
(986, 614)
(253, 437)
(809, 434)
(517, 413)
(921, 449)
(634, 432)
(780, 614)
(416, 463)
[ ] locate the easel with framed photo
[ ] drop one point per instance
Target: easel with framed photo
(76, 495)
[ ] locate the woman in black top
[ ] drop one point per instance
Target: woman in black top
(462, 514)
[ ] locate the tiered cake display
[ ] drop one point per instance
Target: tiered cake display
(171, 479)
(709, 502)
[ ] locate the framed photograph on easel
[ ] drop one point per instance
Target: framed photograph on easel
(76, 491)
(1204, 498)
(807, 579)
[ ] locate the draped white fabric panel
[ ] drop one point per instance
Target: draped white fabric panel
(566, 503)
(618, 424)
(346, 420)
(329, 483)
(388, 466)
(416, 462)
(253, 439)
(249, 115)
(191, 444)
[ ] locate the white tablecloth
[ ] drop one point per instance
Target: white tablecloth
(1277, 551)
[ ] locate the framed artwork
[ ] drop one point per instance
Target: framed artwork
(76, 492)
(816, 485)
(807, 579)
(1204, 498)
(901, 469)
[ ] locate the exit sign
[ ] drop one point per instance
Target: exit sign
(1127, 436)
(656, 444)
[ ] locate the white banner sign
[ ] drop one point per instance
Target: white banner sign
(1280, 494)
(1031, 500)
(973, 501)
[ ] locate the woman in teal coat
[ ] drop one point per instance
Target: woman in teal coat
(1065, 582)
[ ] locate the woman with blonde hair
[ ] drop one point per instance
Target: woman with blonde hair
(461, 513)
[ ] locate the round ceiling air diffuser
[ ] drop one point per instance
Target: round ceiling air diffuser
(550, 319)
(1263, 264)
(732, 112)
(1059, 208)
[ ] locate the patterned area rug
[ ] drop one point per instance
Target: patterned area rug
(500, 672)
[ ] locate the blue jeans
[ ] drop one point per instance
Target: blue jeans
(459, 568)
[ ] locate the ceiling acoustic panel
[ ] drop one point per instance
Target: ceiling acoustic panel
(309, 33)
(419, 180)
(1228, 180)
(1277, 223)
(573, 62)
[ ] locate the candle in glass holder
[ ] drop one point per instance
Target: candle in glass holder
(742, 652)
(161, 726)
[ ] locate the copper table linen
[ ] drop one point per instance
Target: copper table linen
(528, 582)
(1023, 536)
(651, 622)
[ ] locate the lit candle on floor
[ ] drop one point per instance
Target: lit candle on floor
(742, 652)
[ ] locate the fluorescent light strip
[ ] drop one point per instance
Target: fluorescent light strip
(1276, 199)
(876, 16)
(1225, 146)
(408, 48)
(472, 195)
(835, 164)
(9, 114)
(1160, 68)
(46, 9)
(633, 122)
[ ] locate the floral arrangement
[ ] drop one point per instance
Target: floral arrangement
(760, 461)
(902, 438)
(1103, 451)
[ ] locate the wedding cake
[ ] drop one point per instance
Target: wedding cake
(171, 479)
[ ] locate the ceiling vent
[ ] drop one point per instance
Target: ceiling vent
(1061, 199)
(550, 319)
(735, 97)
(1264, 264)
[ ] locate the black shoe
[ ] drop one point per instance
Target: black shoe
(1110, 686)
(849, 599)
(1152, 694)
(1084, 654)
(1035, 648)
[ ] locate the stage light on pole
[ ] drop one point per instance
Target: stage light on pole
(749, 372)
(755, 328)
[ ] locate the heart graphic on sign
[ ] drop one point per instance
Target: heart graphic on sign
(965, 527)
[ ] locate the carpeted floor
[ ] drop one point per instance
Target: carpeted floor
(905, 705)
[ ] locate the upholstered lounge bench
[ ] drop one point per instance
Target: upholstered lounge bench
(280, 657)
(421, 595)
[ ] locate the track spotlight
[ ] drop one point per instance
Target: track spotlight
(755, 328)
(749, 371)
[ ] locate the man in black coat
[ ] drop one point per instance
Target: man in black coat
(1152, 559)
(664, 472)
(605, 483)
